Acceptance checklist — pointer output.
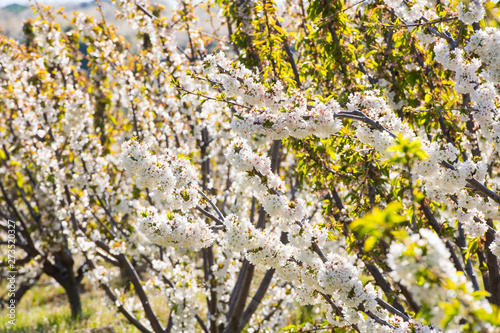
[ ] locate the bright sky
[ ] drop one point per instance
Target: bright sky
(4, 3)
(55, 3)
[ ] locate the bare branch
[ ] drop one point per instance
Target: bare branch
(421, 24)
(214, 206)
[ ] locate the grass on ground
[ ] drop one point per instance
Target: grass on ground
(45, 309)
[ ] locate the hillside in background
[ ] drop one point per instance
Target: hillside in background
(12, 18)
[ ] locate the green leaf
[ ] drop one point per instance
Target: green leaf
(369, 243)
(378, 223)
(472, 247)
(20, 179)
(113, 120)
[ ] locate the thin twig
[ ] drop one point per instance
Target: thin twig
(214, 206)
(207, 214)
(202, 324)
(420, 24)
(343, 10)
(214, 99)
(391, 309)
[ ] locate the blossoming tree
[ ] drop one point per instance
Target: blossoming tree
(306, 165)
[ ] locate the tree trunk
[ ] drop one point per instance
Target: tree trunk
(62, 271)
(75, 303)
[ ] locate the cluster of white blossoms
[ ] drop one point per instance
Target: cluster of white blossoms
(495, 245)
(293, 262)
(266, 185)
(173, 180)
(472, 228)
(101, 275)
(77, 105)
(84, 245)
(184, 298)
(443, 56)
(485, 44)
(475, 209)
(51, 40)
(422, 264)
(274, 113)
(443, 181)
(53, 53)
(485, 208)
(435, 154)
(470, 77)
(298, 122)
(477, 77)
(339, 278)
(239, 81)
(375, 107)
(170, 177)
(413, 12)
(242, 157)
(175, 229)
(468, 14)
(471, 13)
(264, 246)
(484, 98)
(390, 95)
(466, 76)
(425, 38)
